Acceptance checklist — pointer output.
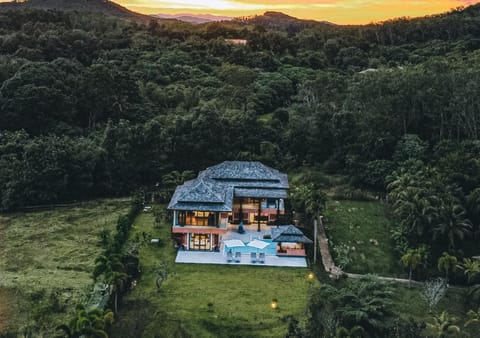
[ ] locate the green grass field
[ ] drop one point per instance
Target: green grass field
(46, 260)
(363, 228)
(240, 296)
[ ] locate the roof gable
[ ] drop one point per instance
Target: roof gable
(201, 192)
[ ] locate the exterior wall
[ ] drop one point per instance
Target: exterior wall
(199, 241)
(250, 210)
(199, 237)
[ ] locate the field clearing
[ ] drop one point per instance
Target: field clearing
(46, 260)
(240, 296)
(363, 230)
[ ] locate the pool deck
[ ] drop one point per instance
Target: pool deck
(206, 257)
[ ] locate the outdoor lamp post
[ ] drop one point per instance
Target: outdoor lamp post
(274, 304)
(310, 277)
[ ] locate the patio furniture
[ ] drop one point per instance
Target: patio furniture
(229, 256)
(253, 257)
(238, 256)
(261, 257)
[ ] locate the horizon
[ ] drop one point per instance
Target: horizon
(335, 11)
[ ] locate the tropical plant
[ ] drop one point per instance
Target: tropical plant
(308, 198)
(107, 263)
(433, 292)
(443, 326)
(473, 294)
(447, 263)
(411, 259)
(174, 178)
(117, 281)
(88, 323)
(453, 223)
(355, 332)
(366, 303)
(471, 268)
(473, 317)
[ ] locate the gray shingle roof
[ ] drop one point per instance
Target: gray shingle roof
(215, 186)
(260, 193)
(289, 233)
(240, 170)
(201, 192)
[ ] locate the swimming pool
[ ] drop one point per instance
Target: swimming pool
(271, 249)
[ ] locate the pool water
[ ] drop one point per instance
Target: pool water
(271, 249)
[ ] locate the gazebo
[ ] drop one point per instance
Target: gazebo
(290, 240)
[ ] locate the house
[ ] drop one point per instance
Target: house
(242, 42)
(225, 197)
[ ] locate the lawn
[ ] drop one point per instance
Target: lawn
(409, 302)
(46, 260)
(361, 231)
(240, 296)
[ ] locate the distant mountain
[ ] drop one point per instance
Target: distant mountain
(97, 6)
(194, 18)
(278, 20)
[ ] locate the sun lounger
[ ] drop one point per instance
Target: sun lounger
(238, 256)
(261, 257)
(229, 256)
(253, 257)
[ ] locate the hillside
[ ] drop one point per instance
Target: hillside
(96, 6)
(194, 18)
(46, 259)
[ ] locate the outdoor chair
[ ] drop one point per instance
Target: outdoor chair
(238, 256)
(253, 257)
(261, 257)
(229, 256)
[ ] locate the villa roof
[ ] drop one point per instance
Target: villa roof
(260, 193)
(200, 192)
(289, 233)
(214, 188)
(241, 170)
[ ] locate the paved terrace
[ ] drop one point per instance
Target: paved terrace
(207, 257)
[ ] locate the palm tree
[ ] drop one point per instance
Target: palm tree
(453, 223)
(107, 263)
(447, 263)
(117, 281)
(473, 317)
(473, 293)
(473, 206)
(355, 332)
(415, 211)
(443, 326)
(410, 260)
(91, 324)
(471, 268)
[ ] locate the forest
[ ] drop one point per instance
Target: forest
(94, 106)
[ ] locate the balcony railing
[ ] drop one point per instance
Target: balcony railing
(220, 226)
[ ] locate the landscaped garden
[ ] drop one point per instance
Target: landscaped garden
(207, 300)
(46, 262)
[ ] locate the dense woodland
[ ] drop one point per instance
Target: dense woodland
(94, 106)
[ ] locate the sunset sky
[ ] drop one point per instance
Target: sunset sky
(337, 11)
